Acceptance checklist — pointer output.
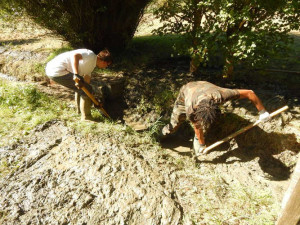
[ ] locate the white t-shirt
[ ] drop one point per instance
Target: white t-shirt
(63, 63)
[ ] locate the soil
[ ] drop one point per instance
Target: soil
(67, 178)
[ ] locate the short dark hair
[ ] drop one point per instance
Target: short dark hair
(105, 56)
(205, 113)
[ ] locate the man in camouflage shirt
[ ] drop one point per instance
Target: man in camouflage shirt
(198, 101)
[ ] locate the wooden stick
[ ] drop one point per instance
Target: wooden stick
(242, 130)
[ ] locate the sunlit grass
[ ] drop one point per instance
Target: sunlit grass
(23, 107)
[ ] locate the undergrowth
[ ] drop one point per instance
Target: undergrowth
(144, 50)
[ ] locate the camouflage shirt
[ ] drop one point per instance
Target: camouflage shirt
(193, 93)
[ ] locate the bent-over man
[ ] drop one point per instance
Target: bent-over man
(198, 101)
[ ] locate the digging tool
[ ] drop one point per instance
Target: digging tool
(81, 85)
(242, 130)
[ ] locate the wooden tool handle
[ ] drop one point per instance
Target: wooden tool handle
(90, 96)
(242, 130)
(94, 100)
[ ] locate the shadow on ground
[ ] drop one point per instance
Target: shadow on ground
(18, 41)
(268, 147)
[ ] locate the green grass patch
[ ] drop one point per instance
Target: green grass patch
(8, 167)
(24, 107)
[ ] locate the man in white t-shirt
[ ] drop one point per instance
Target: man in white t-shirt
(81, 62)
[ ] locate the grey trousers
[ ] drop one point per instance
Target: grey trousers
(67, 81)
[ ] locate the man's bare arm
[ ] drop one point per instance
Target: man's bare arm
(249, 94)
(76, 59)
(199, 134)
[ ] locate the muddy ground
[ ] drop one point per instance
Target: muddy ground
(67, 178)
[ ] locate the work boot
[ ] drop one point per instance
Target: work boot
(77, 102)
(85, 108)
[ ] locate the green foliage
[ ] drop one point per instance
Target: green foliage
(231, 31)
(9, 10)
(156, 127)
(163, 101)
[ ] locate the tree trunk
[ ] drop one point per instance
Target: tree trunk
(92, 24)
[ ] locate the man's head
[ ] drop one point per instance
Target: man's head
(205, 114)
(104, 59)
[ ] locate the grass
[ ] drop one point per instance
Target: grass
(22, 108)
(8, 167)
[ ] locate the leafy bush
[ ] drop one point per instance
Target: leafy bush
(231, 31)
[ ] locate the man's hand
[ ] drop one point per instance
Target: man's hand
(200, 150)
(79, 81)
(264, 115)
(166, 130)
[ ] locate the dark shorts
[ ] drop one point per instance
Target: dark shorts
(67, 81)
